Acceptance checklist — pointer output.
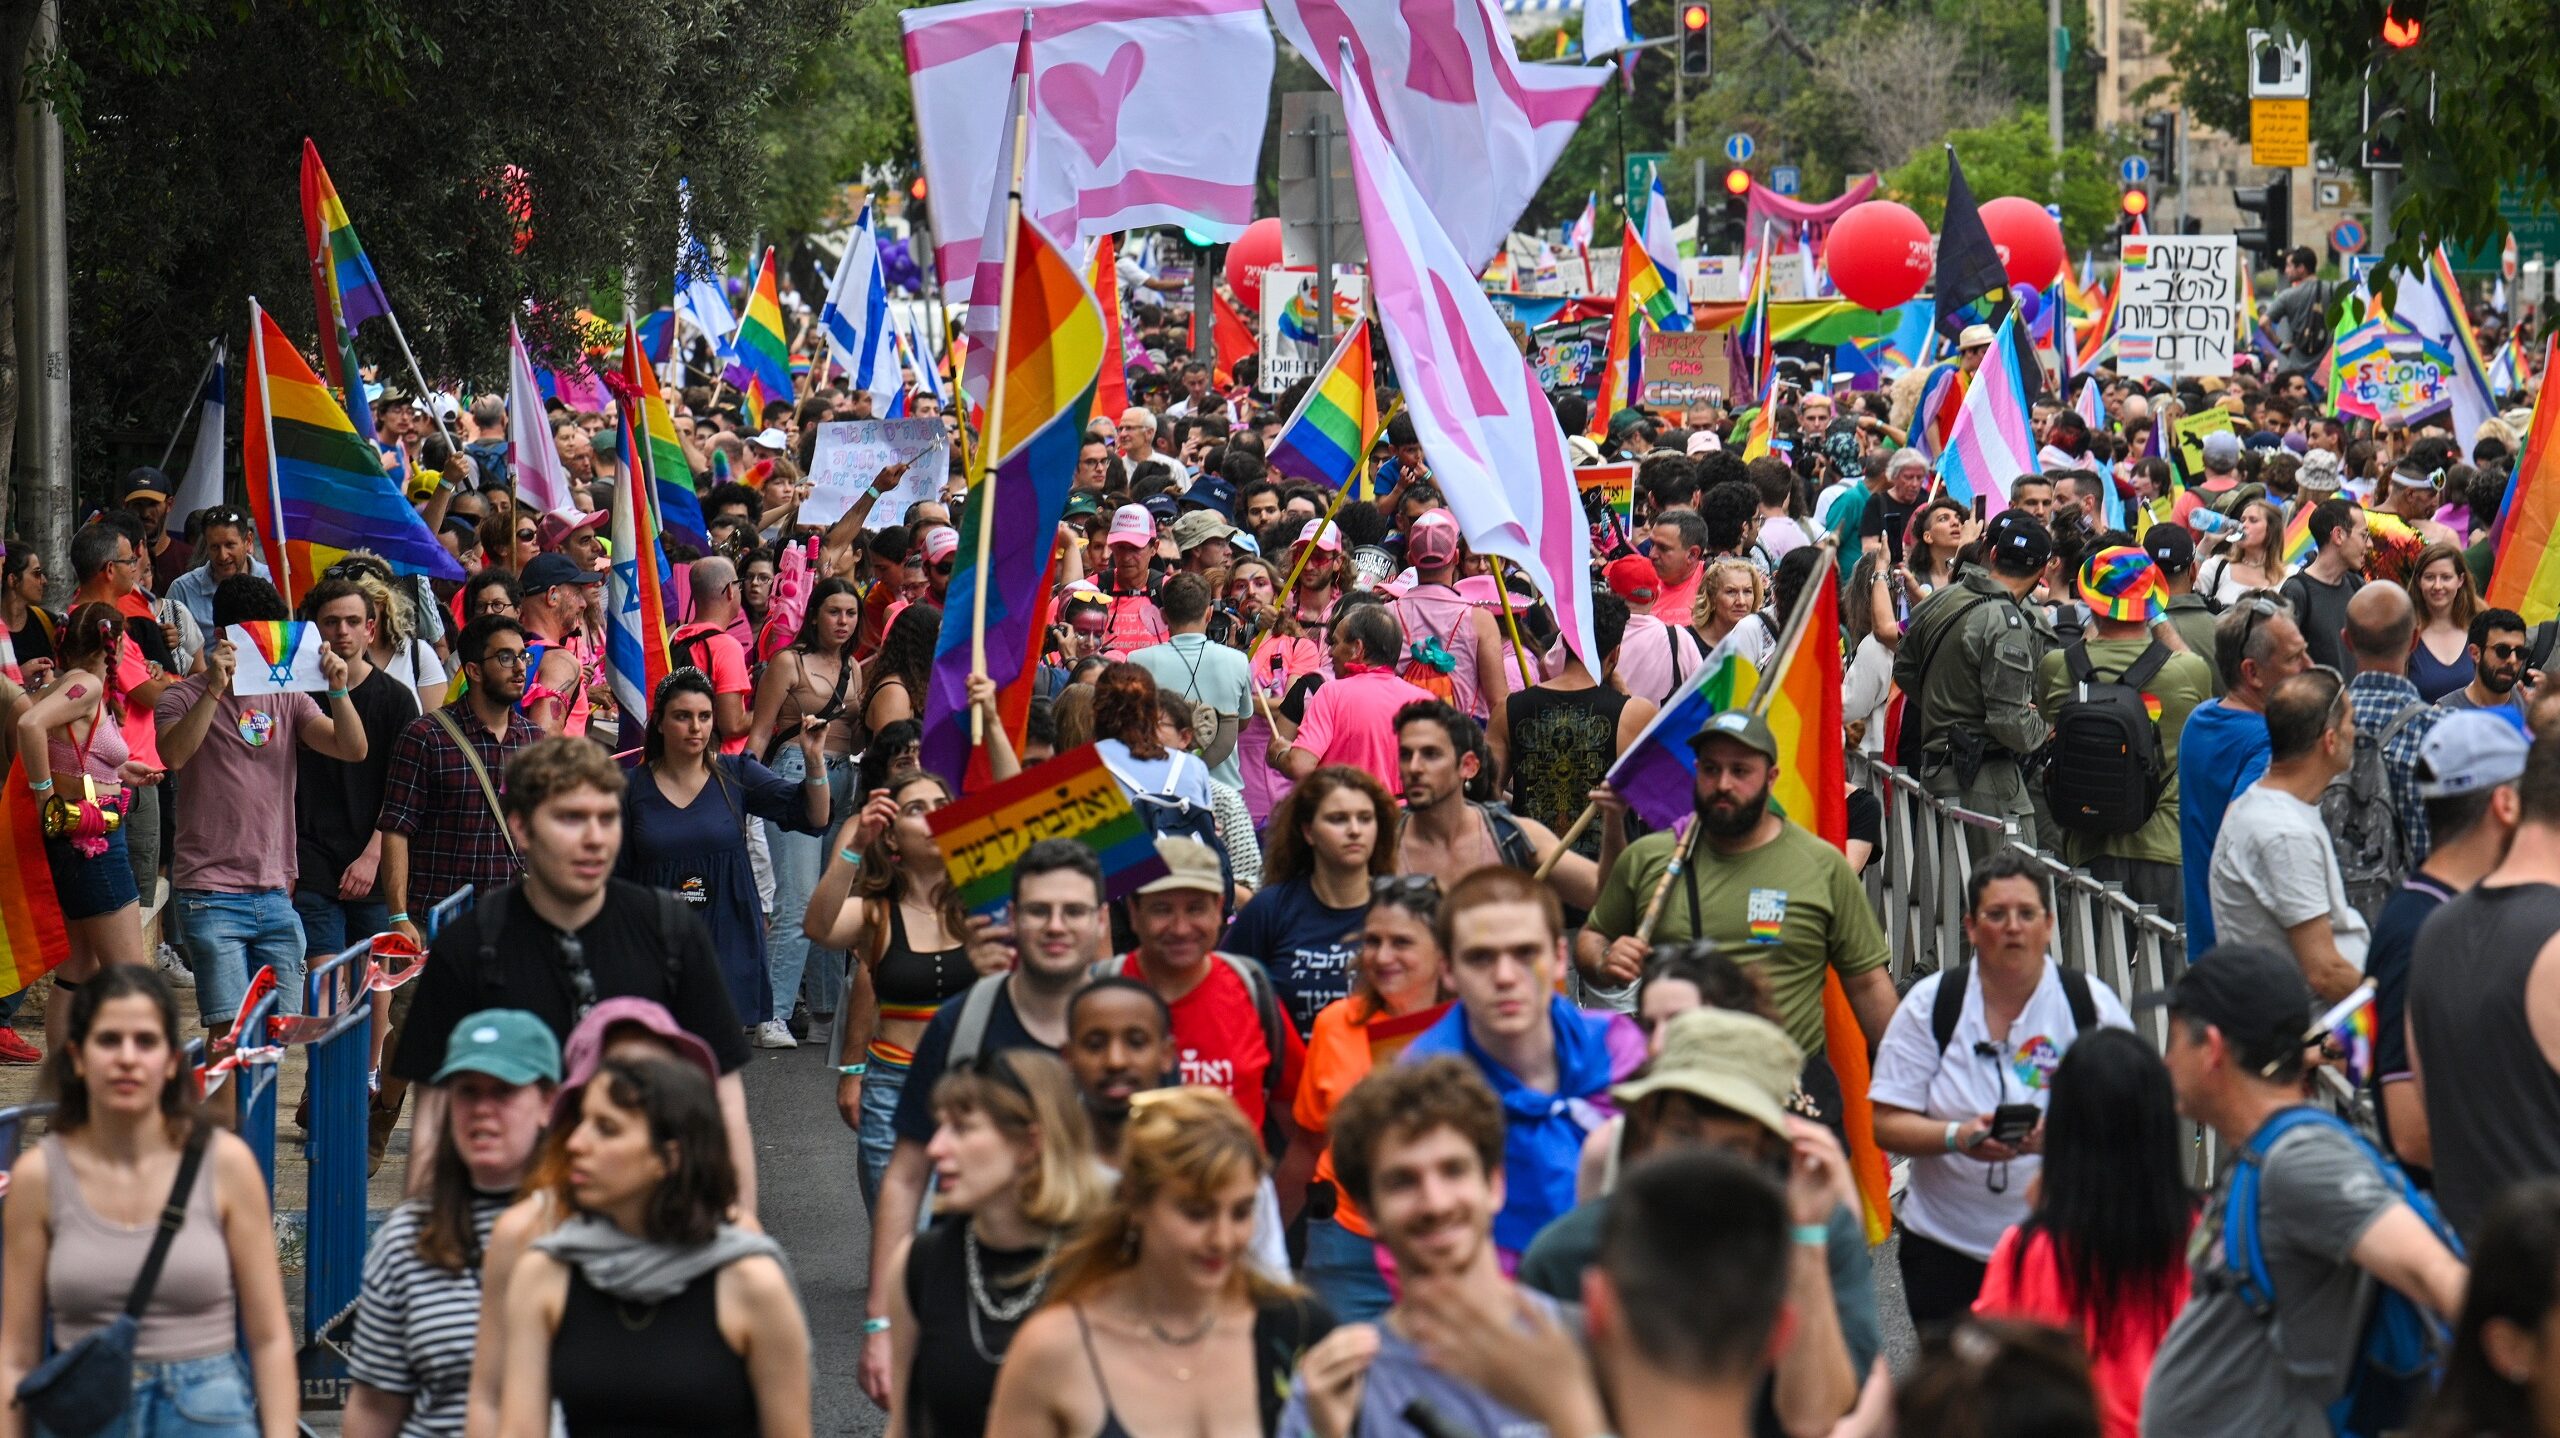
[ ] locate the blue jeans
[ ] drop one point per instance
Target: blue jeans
(235, 935)
(1342, 1269)
(880, 1090)
(188, 1398)
(797, 861)
(330, 923)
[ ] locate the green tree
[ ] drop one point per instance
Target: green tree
(845, 114)
(2011, 158)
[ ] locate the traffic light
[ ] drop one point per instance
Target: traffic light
(1697, 42)
(916, 213)
(2131, 207)
(2397, 33)
(2160, 143)
(2272, 204)
(1735, 228)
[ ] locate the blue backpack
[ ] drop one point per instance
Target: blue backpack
(2401, 1349)
(1169, 814)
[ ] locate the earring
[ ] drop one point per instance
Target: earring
(1129, 1244)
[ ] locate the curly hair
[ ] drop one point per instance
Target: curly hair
(1287, 851)
(1125, 708)
(1409, 1100)
(906, 654)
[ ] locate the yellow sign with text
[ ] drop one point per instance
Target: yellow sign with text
(2280, 133)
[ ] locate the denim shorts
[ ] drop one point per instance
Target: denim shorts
(90, 887)
(234, 936)
(209, 1397)
(880, 1090)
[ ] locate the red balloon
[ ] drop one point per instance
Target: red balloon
(2029, 240)
(1879, 254)
(1256, 250)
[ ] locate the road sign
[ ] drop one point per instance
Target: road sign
(2280, 133)
(2279, 67)
(1641, 168)
(1786, 179)
(2347, 237)
(1738, 147)
(2054, 210)
(2133, 169)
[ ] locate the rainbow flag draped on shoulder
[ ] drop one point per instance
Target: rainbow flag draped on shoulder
(1326, 439)
(317, 487)
(1049, 354)
(759, 352)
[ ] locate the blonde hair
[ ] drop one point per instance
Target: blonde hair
(1177, 1140)
(1030, 1098)
(1704, 610)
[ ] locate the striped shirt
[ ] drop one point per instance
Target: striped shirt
(416, 1323)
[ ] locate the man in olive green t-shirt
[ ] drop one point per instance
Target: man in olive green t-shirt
(1775, 897)
(2126, 597)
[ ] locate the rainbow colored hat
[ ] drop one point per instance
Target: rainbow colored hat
(2121, 582)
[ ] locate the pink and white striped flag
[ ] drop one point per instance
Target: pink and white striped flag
(1126, 134)
(1992, 442)
(540, 480)
(1496, 450)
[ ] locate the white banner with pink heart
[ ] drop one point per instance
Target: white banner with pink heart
(1144, 112)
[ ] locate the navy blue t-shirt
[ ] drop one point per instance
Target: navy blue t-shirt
(914, 1118)
(2386, 962)
(1311, 950)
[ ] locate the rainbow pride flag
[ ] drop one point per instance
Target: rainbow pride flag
(759, 353)
(2350, 1025)
(1111, 393)
(1755, 334)
(1050, 348)
(635, 598)
(2526, 577)
(678, 508)
(2298, 547)
(1658, 774)
(1071, 797)
(33, 937)
(342, 277)
(1651, 285)
(316, 487)
(1335, 424)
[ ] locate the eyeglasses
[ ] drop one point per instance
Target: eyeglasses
(1419, 892)
(2504, 651)
(505, 658)
(1069, 914)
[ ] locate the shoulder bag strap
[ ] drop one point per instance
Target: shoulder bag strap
(172, 1218)
(479, 771)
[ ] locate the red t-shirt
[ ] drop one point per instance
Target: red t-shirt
(720, 656)
(2120, 1368)
(1218, 1034)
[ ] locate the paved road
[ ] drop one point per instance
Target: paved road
(805, 1166)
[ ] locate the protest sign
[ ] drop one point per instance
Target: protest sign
(1569, 354)
(275, 656)
(2388, 375)
(852, 452)
(1071, 797)
(1717, 279)
(1289, 347)
(2190, 430)
(1685, 369)
(2180, 308)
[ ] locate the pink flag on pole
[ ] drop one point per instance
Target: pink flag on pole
(1476, 128)
(1496, 450)
(1147, 112)
(986, 278)
(539, 478)
(1992, 442)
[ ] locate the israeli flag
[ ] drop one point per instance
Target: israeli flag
(856, 317)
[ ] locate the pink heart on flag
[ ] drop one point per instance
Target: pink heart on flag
(1086, 103)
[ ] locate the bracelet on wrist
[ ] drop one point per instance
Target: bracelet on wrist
(1811, 1235)
(41, 786)
(1953, 1128)
(337, 693)
(814, 781)
(875, 1325)
(399, 918)
(853, 1070)
(850, 856)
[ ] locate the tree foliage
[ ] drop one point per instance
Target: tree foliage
(2010, 158)
(183, 187)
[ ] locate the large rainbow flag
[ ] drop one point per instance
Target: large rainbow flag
(1050, 349)
(345, 292)
(1111, 393)
(1650, 284)
(759, 352)
(678, 508)
(635, 599)
(1337, 421)
(1623, 370)
(316, 487)
(2526, 577)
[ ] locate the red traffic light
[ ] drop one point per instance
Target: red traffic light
(2135, 202)
(2397, 33)
(915, 188)
(1737, 181)
(1693, 17)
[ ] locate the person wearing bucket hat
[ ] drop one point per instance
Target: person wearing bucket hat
(2124, 645)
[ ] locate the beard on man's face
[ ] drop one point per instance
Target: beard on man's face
(1725, 817)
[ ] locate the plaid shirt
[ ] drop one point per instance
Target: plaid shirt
(432, 799)
(2378, 698)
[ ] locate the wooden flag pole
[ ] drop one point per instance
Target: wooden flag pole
(983, 502)
(1300, 567)
(1511, 621)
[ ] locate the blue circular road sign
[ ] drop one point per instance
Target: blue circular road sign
(2134, 170)
(1738, 147)
(2347, 237)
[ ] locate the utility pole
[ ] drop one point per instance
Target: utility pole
(42, 477)
(2053, 89)
(2382, 182)
(2183, 128)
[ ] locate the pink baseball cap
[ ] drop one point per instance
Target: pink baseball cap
(1131, 524)
(557, 525)
(941, 542)
(1324, 536)
(1433, 540)
(584, 1053)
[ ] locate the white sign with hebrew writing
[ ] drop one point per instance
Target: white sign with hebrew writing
(2179, 312)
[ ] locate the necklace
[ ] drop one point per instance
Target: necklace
(1009, 1310)
(1182, 1371)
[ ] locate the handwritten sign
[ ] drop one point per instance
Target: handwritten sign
(2190, 431)
(1569, 355)
(1071, 797)
(2388, 376)
(275, 656)
(2180, 310)
(1685, 369)
(852, 452)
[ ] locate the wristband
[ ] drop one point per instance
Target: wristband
(850, 856)
(853, 1070)
(875, 1325)
(399, 918)
(1953, 1128)
(40, 786)
(337, 693)
(814, 781)
(1811, 1235)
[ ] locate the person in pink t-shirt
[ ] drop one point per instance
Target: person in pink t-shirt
(1352, 720)
(708, 644)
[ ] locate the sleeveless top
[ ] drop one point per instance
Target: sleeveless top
(576, 704)
(106, 754)
(92, 1263)
(912, 983)
(953, 1378)
(2467, 1017)
(1434, 611)
(641, 1370)
(1562, 744)
(2435, 678)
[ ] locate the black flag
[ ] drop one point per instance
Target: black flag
(1971, 286)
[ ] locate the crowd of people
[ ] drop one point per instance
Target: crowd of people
(1427, 1088)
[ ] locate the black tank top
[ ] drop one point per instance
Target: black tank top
(649, 1370)
(907, 979)
(954, 1378)
(2493, 1100)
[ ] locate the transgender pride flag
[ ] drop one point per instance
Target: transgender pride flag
(1991, 443)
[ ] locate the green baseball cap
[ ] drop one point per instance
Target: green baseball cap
(1741, 726)
(510, 1045)
(1082, 503)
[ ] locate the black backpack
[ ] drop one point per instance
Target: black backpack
(2103, 770)
(1948, 1010)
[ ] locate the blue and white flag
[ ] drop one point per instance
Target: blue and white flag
(928, 361)
(1605, 28)
(856, 317)
(202, 486)
(698, 296)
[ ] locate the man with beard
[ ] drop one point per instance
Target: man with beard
(1422, 1147)
(1774, 896)
(1448, 835)
(2497, 662)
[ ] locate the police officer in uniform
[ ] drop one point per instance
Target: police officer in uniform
(1968, 660)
